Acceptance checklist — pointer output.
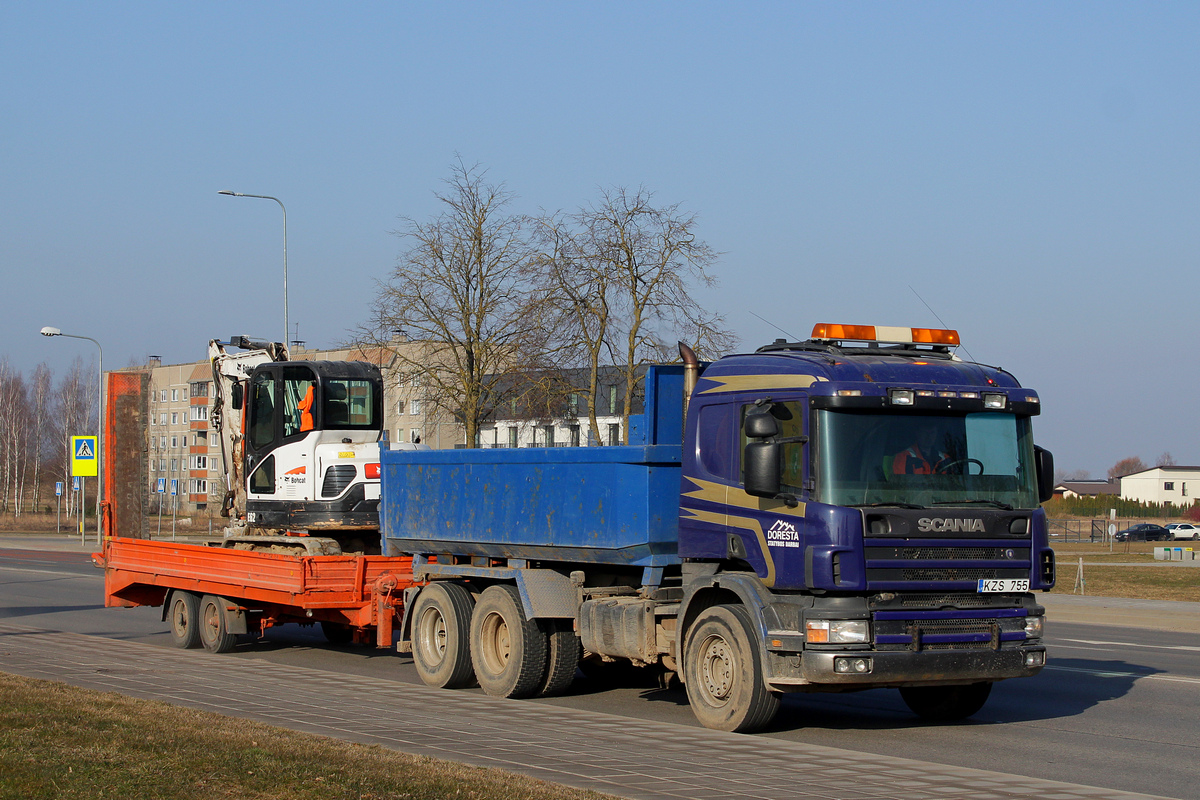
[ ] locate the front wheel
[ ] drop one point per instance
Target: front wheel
(946, 703)
(441, 631)
(184, 614)
(722, 672)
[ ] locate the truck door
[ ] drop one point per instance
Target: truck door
(262, 433)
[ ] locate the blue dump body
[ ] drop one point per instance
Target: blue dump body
(602, 505)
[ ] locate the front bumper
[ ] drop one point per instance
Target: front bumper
(812, 670)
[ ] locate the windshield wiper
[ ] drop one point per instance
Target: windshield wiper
(995, 503)
(881, 505)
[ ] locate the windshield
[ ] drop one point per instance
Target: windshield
(926, 460)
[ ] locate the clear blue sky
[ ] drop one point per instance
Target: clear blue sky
(1030, 169)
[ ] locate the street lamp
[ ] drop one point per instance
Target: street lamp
(285, 300)
(50, 331)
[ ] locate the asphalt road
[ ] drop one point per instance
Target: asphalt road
(1116, 707)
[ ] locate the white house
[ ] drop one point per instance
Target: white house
(1177, 485)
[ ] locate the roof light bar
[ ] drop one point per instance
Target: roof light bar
(885, 333)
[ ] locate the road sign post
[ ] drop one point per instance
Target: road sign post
(174, 504)
(160, 489)
(58, 487)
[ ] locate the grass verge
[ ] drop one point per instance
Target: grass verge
(58, 741)
(1140, 583)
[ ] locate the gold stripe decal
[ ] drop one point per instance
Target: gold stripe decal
(745, 524)
(750, 383)
(733, 496)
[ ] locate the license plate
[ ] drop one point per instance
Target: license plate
(992, 585)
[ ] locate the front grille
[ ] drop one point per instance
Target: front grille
(936, 600)
(958, 646)
(950, 634)
(947, 553)
(956, 626)
(948, 574)
(337, 478)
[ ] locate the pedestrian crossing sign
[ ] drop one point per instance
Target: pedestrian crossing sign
(83, 456)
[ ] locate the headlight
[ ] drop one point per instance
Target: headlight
(1033, 627)
(994, 401)
(837, 631)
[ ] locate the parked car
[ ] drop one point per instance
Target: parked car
(1184, 530)
(1143, 532)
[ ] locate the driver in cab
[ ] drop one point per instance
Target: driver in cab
(924, 456)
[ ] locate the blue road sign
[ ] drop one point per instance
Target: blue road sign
(58, 487)
(162, 486)
(174, 486)
(74, 484)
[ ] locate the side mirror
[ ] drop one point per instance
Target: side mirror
(1044, 461)
(761, 468)
(235, 396)
(760, 425)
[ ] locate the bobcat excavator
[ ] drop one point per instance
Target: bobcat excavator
(299, 447)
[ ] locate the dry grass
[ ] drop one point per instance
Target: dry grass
(1143, 583)
(57, 741)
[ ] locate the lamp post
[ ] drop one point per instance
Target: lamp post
(49, 331)
(285, 299)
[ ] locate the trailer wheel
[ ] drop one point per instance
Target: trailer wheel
(563, 653)
(337, 633)
(441, 631)
(946, 703)
(724, 676)
(184, 614)
(508, 650)
(213, 633)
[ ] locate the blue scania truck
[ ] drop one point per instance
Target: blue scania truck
(855, 511)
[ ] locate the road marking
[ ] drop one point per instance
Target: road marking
(1105, 673)
(43, 572)
(1189, 648)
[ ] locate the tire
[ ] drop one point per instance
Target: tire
(441, 636)
(562, 659)
(722, 672)
(337, 633)
(1195, 537)
(946, 703)
(184, 615)
(509, 652)
(214, 635)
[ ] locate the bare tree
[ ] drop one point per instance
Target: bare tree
(1126, 466)
(40, 392)
(73, 417)
(644, 260)
(462, 289)
(1165, 460)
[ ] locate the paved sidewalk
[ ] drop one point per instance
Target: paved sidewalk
(632, 758)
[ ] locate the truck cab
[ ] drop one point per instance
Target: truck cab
(886, 493)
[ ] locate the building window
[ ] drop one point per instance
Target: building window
(174, 395)
(199, 486)
(549, 436)
(162, 396)
(1183, 489)
(199, 412)
(414, 406)
(612, 399)
(416, 379)
(162, 418)
(199, 462)
(573, 404)
(174, 464)
(614, 433)
(1169, 486)
(153, 464)
(574, 429)
(414, 435)
(199, 389)
(400, 407)
(174, 442)
(174, 417)
(163, 441)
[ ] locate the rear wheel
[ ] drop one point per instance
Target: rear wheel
(184, 613)
(563, 652)
(946, 703)
(441, 630)
(214, 633)
(507, 650)
(723, 674)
